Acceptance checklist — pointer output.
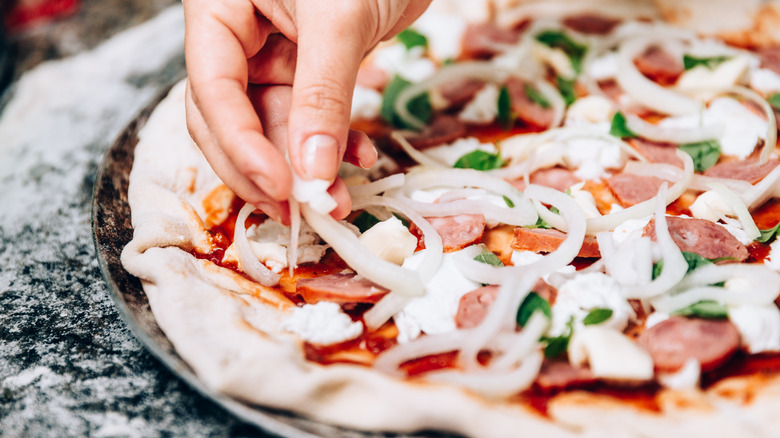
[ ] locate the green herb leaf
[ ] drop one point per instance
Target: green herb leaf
(619, 128)
(537, 97)
(704, 309)
(557, 39)
(364, 221)
(540, 223)
(558, 345)
(509, 202)
(554, 210)
(505, 115)
(711, 62)
(597, 316)
(419, 106)
(479, 160)
(768, 235)
(705, 154)
(489, 258)
(403, 220)
(411, 38)
(566, 88)
(694, 261)
(532, 302)
(774, 100)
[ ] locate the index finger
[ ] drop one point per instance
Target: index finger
(219, 37)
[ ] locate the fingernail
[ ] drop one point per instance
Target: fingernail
(366, 162)
(320, 157)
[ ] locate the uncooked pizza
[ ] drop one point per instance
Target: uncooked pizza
(571, 231)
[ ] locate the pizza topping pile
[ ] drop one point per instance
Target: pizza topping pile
(561, 201)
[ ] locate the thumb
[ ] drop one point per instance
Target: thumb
(332, 39)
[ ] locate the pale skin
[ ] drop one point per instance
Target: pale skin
(269, 77)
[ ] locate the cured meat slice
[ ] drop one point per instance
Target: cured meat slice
(485, 39)
(657, 152)
(659, 66)
(557, 375)
(527, 110)
(632, 189)
(770, 58)
(611, 88)
(673, 341)
(443, 129)
(590, 23)
(475, 305)
(548, 240)
(460, 231)
(703, 237)
(460, 91)
(556, 178)
(745, 170)
(339, 288)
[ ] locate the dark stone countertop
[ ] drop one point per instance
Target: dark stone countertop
(69, 366)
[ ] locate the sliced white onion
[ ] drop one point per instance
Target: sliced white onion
(672, 135)
(415, 154)
(249, 263)
(645, 91)
(524, 343)
(738, 206)
(771, 129)
(557, 103)
(295, 234)
(387, 307)
(673, 173)
(376, 187)
(313, 192)
(359, 258)
(763, 190)
(389, 360)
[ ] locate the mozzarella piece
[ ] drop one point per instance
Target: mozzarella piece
(585, 292)
(611, 354)
(410, 64)
(711, 206)
(366, 104)
(443, 31)
(725, 75)
(773, 259)
(686, 377)
(603, 67)
(592, 156)
(389, 240)
(269, 241)
(734, 227)
(759, 327)
(589, 111)
(323, 323)
(630, 229)
(555, 58)
(449, 154)
(483, 108)
(742, 127)
(765, 81)
(435, 311)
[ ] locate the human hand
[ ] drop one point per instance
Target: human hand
(242, 58)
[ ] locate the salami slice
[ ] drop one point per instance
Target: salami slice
(485, 39)
(657, 152)
(673, 341)
(530, 112)
(460, 231)
(746, 170)
(590, 23)
(474, 306)
(339, 288)
(443, 129)
(548, 240)
(460, 91)
(556, 178)
(632, 189)
(703, 237)
(558, 375)
(659, 65)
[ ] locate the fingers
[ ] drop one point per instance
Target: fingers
(274, 64)
(338, 190)
(360, 150)
(220, 36)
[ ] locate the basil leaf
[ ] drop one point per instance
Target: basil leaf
(403, 220)
(540, 223)
(705, 154)
(489, 258)
(566, 88)
(704, 309)
(509, 202)
(505, 115)
(694, 261)
(557, 39)
(537, 97)
(479, 160)
(774, 100)
(597, 316)
(364, 221)
(558, 345)
(532, 302)
(419, 106)
(711, 62)
(411, 38)
(767, 235)
(619, 128)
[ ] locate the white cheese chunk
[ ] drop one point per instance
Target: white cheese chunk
(630, 229)
(585, 292)
(711, 206)
(765, 81)
(773, 259)
(610, 354)
(591, 157)
(759, 327)
(410, 64)
(741, 127)
(483, 108)
(603, 67)
(434, 312)
(443, 31)
(686, 377)
(366, 104)
(728, 73)
(323, 323)
(591, 111)
(389, 240)
(450, 153)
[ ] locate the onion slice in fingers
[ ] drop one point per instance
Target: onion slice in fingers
(249, 262)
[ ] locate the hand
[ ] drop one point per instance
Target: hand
(242, 58)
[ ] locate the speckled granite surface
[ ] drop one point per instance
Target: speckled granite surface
(68, 364)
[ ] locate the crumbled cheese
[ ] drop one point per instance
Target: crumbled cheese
(604, 67)
(366, 104)
(686, 377)
(520, 258)
(590, 111)
(483, 108)
(585, 292)
(725, 75)
(630, 229)
(555, 58)
(765, 81)
(592, 156)
(759, 327)
(443, 31)
(711, 206)
(410, 64)
(389, 240)
(610, 354)
(449, 154)
(435, 311)
(323, 323)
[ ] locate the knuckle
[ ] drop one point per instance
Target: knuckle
(325, 96)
